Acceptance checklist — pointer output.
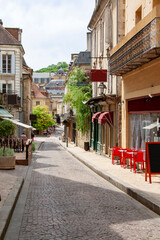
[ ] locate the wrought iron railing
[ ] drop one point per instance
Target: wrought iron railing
(140, 49)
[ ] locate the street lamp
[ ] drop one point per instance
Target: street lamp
(102, 86)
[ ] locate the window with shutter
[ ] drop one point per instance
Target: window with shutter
(8, 63)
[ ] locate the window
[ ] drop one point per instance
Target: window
(138, 135)
(138, 14)
(6, 63)
(9, 88)
(42, 80)
(101, 36)
(47, 80)
(36, 80)
(37, 103)
(4, 88)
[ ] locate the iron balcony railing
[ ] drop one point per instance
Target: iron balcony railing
(140, 49)
(10, 98)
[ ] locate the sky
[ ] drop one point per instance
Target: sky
(52, 29)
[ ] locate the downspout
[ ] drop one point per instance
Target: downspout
(117, 128)
(91, 129)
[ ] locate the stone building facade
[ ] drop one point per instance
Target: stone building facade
(107, 29)
(136, 58)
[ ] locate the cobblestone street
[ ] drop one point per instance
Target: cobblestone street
(66, 200)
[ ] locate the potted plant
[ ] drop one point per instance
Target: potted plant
(7, 158)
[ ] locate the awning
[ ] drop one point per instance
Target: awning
(20, 123)
(95, 116)
(4, 113)
(106, 117)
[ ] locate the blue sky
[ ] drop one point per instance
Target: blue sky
(52, 29)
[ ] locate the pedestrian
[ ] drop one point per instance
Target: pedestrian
(32, 136)
(24, 138)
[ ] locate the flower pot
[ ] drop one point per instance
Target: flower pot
(7, 162)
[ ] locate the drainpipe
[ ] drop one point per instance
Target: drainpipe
(117, 80)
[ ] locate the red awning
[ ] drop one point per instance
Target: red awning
(98, 75)
(95, 116)
(106, 117)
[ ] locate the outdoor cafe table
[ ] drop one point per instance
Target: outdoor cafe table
(132, 157)
(122, 156)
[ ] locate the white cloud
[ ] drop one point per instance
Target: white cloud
(52, 29)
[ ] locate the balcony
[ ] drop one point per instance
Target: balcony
(10, 98)
(141, 48)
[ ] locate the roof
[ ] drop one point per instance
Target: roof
(55, 83)
(4, 113)
(43, 75)
(37, 93)
(110, 99)
(60, 71)
(84, 58)
(56, 92)
(6, 38)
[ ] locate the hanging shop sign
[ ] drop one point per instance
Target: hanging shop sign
(98, 75)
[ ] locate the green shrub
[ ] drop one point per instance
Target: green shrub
(6, 152)
(33, 146)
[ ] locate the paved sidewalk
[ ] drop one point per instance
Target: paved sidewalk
(132, 183)
(129, 182)
(11, 182)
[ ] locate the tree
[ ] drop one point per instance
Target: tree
(7, 128)
(44, 119)
(54, 67)
(79, 92)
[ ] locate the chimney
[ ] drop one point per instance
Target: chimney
(1, 23)
(19, 35)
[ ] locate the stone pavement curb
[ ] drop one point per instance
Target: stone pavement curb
(138, 195)
(9, 205)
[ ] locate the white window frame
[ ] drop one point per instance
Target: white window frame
(12, 64)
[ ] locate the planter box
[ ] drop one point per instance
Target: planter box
(7, 162)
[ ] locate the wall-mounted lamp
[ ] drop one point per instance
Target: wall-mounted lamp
(120, 103)
(102, 87)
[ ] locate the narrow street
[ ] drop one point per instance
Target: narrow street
(65, 200)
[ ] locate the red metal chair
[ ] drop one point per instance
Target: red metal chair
(139, 159)
(115, 153)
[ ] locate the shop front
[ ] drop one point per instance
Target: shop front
(144, 115)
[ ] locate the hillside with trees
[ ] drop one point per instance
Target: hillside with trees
(54, 67)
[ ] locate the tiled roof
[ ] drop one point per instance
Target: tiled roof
(6, 38)
(60, 71)
(43, 75)
(56, 92)
(84, 58)
(55, 83)
(37, 93)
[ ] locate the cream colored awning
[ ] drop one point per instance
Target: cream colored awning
(20, 124)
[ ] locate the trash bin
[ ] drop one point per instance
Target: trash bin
(86, 146)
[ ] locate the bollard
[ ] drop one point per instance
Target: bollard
(67, 142)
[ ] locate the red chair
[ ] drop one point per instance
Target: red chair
(115, 153)
(129, 154)
(139, 159)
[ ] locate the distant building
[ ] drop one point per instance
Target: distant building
(40, 99)
(15, 76)
(41, 79)
(56, 90)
